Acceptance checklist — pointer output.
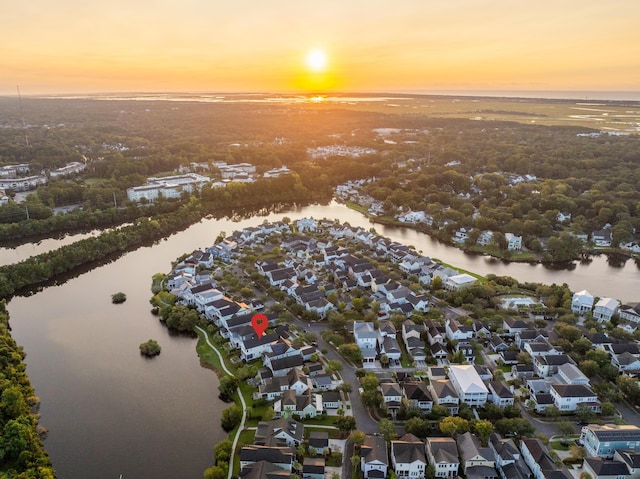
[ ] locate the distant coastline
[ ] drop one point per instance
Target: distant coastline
(259, 97)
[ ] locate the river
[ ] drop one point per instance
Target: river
(110, 411)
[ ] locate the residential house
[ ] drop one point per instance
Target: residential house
(605, 309)
(497, 344)
(444, 394)
(263, 470)
(307, 405)
(509, 463)
(514, 243)
(630, 312)
(417, 395)
(459, 281)
(540, 348)
(570, 374)
(442, 453)
(313, 468)
(373, 457)
(510, 357)
(568, 397)
(390, 348)
(547, 365)
(632, 460)
(500, 394)
(467, 383)
(392, 397)
(600, 468)
(366, 337)
(537, 457)
(279, 431)
(605, 440)
(476, 461)
(626, 362)
(408, 458)
(281, 456)
(582, 302)
(511, 326)
(331, 400)
(467, 350)
(601, 238)
(456, 332)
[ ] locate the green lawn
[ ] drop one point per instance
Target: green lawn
(557, 445)
(334, 460)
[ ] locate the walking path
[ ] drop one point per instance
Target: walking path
(244, 405)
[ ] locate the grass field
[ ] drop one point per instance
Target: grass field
(601, 115)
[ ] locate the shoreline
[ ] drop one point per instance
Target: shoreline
(594, 251)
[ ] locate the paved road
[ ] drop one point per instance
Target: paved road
(364, 421)
(629, 415)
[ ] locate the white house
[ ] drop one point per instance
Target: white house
(568, 397)
(307, 224)
(366, 337)
(630, 312)
(514, 243)
(443, 455)
(373, 457)
(605, 308)
(582, 302)
(468, 384)
(408, 458)
(501, 395)
(458, 281)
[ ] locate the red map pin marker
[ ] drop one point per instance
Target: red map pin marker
(259, 322)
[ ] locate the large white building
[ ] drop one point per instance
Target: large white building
(468, 384)
(605, 308)
(167, 187)
(582, 302)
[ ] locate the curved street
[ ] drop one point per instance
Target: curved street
(364, 421)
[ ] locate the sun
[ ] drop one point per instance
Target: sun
(316, 60)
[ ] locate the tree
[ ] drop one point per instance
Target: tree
(577, 453)
(345, 388)
(454, 425)
(608, 409)
(369, 382)
(346, 423)
(118, 298)
(227, 387)
(483, 429)
(387, 429)
(222, 451)
(565, 428)
(352, 352)
(418, 427)
(215, 472)
(589, 367)
(585, 414)
(515, 426)
(150, 348)
(371, 398)
(357, 437)
(231, 417)
(334, 366)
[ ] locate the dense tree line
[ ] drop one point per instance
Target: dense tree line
(77, 220)
(22, 453)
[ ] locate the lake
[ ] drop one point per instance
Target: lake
(110, 411)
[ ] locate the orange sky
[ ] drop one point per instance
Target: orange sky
(80, 46)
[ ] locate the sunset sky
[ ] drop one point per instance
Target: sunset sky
(80, 46)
